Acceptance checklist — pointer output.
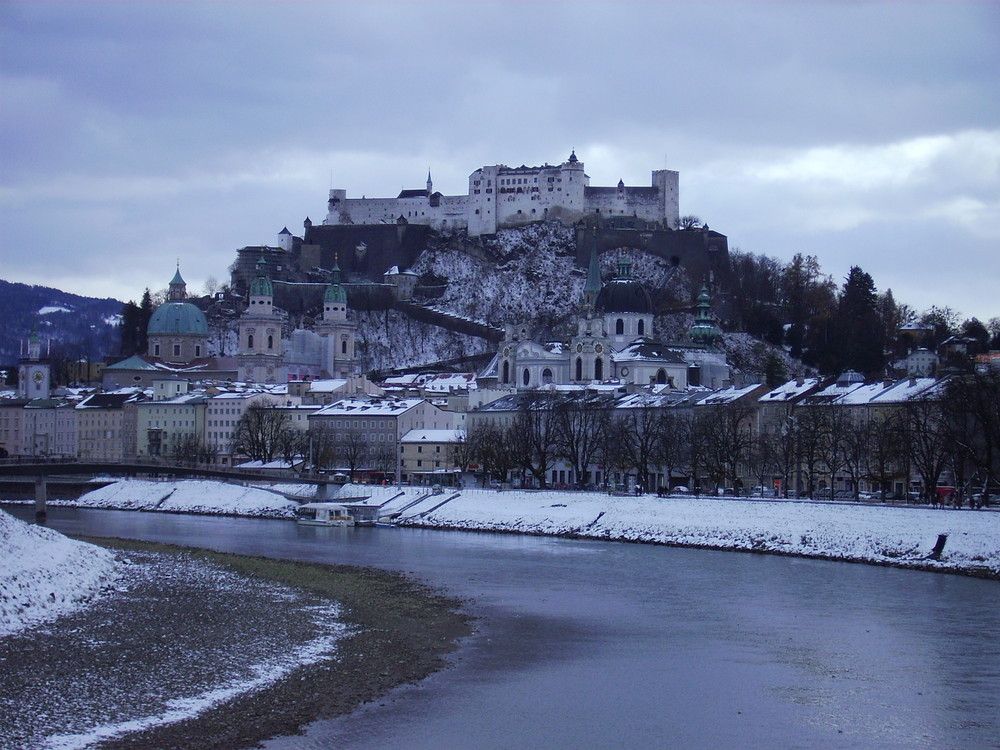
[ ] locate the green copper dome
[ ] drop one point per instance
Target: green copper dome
(261, 286)
(335, 292)
(177, 318)
(704, 330)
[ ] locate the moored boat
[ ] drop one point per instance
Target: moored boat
(323, 514)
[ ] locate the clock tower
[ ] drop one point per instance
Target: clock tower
(34, 378)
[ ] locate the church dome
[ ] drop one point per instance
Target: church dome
(624, 296)
(177, 318)
(335, 293)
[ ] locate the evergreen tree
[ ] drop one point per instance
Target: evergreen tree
(145, 313)
(129, 329)
(858, 337)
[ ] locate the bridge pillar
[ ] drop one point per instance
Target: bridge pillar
(322, 491)
(41, 496)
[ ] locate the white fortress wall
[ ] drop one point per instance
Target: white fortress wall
(500, 196)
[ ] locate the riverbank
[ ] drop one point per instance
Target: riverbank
(199, 649)
(873, 533)
(900, 536)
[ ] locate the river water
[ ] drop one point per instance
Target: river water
(588, 644)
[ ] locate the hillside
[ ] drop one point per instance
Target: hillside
(79, 327)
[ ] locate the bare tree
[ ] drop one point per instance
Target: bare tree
(885, 457)
(580, 425)
(353, 451)
(673, 443)
(928, 440)
(538, 437)
(638, 432)
(260, 431)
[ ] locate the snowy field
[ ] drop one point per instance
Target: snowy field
(44, 575)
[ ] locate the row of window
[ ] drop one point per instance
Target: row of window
(176, 350)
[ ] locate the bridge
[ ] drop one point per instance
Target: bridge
(40, 471)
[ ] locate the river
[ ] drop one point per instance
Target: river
(588, 644)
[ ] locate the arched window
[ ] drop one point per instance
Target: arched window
(527, 376)
(197, 350)
(506, 372)
(579, 368)
(598, 369)
(619, 326)
(661, 376)
(343, 346)
(270, 342)
(642, 327)
(546, 376)
(249, 341)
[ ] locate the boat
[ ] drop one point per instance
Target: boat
(323, 514)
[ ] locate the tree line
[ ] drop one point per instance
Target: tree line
(831, 328)
(953, 433)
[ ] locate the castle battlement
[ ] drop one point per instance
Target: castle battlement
(500, 196)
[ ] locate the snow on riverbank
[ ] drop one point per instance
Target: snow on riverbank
(877, 534)
(187, 496)
(44, 575)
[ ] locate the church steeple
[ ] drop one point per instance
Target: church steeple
(178, 289)
(430, 183)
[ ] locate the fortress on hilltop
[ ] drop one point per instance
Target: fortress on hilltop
(500, 196)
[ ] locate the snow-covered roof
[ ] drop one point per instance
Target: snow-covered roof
(909, 389)
(790, 391)
(645, 350)
(728, 395)
(327, 386)
(353, 407)
(433, 436)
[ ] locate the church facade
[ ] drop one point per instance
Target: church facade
(500, 196)
(611, 342)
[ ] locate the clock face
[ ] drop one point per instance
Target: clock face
(598, 348)
(506, 351)
(38, 377)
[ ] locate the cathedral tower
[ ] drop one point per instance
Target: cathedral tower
(259, 359)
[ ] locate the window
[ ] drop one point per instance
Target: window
(642, 327)
(526, 377)
(343, 347)
(598, 369)
(270, 342)
(579, 368)
(177, 350)
(249, 341)
(546, 376)
(619, 326)
(156, 350)
(506, 372)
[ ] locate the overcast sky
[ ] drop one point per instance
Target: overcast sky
(136, 134)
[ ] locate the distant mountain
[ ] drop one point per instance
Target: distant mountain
(78, 327)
